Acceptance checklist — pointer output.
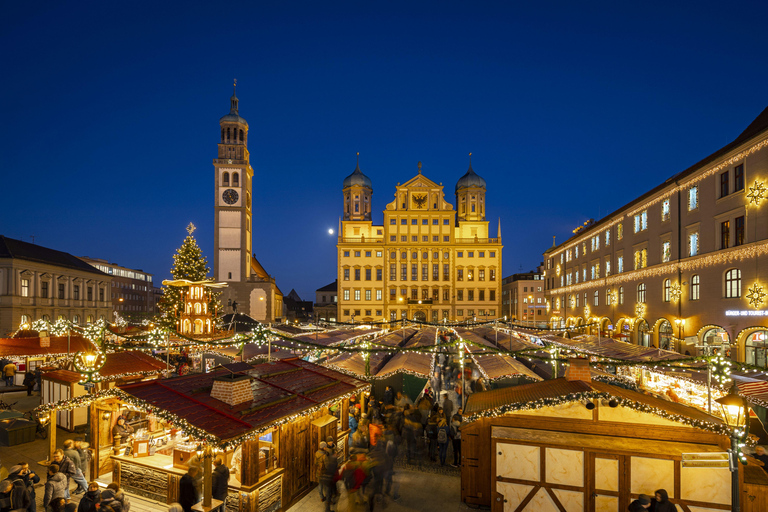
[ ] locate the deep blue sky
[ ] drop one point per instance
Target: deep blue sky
(110, 114)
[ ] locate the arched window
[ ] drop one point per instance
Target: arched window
(641, 292)
(189, 307)
(222, 135)
(608, 298)
(225, 179)
(665, 335)
(242, 136)
(733, 284)
(695, 280)
(235, 179)
(621, 295)
(198, 308)
(24, 320)
(227, 134)
(45, 318)
(76, 319)
(667, 290)
(643, 336)
(757, 349)
(597, 298)
(89, 319)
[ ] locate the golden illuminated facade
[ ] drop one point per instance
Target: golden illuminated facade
(427, 262)
(682, 266)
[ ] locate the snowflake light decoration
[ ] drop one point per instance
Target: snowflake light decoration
(756, 296)
(587, 312)
(757, 193)
(675, 292)
(573, 303)
(640, 310)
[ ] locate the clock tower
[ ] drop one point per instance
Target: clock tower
(233, 176)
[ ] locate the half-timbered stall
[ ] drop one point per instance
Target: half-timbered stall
(266, 420)
(573, 444)
(119, 368)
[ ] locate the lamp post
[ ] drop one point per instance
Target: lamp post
(680, 331)
(735, 411)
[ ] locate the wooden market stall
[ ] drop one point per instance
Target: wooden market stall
(32, 352)
(267, 420)
(575, 444)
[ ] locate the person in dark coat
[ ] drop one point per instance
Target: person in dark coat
(16, 494)
(662, 503)
(108, 499)
(29, 381)
(641, 504)
(90, 500)
(29, 478)
(389, 396)
(61, 505)
(188, 495)
(219, 480)
(761, 456)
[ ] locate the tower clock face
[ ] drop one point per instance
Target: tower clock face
(230, 196)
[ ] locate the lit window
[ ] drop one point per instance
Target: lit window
(733, 284)
(667, 290)
(665, 210)
(693, 243)
(608, 237)
(25, 287)
(619, 231)
(620, 264)
(693, 198)
(695, 282)
(641, 292)
(641, 221)
(666, 251)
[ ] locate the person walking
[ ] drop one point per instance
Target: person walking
(662, 502)
(321, 458)
(641, 504)
(443, 436)
(9, 371)
(328, 481)
(29, 381)
(431, 434)
(74, 456)
(456, 439)
(56, 486)
(188, 494)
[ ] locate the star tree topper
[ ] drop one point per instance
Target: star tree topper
(191, 228)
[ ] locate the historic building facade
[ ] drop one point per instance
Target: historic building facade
(523, 300)
(683, 265)
(38, 283)
(426, 262)
(251, 289)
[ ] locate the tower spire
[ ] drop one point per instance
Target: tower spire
(419, 167)
(233, 101)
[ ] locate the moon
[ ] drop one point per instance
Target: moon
(330, 231)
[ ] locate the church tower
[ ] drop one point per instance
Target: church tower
(233, 177)
(357, 190)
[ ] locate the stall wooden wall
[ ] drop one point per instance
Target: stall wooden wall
(295, 458)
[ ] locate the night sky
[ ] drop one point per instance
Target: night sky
(110, 114)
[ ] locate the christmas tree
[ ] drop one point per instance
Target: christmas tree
(188, 263)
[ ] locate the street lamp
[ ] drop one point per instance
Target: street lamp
(680, 322)
(735, 411)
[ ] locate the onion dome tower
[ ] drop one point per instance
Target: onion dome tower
(357, 190)
(470, 196)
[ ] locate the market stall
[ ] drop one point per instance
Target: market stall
(266, 420)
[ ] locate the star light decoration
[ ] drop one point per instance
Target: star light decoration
(756, 295)
(587, 311)
(757, 193)
(640, 310)
(675, 292)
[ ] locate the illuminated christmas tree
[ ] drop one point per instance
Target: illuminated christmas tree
(188, 263)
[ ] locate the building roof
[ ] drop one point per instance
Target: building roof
(357, 178)
(470, 180)
(608, 347)
(571, 391)
(30, 347)
(133, 361)
(16, 249)
(334, 286)
(755, 128)
(281, 389)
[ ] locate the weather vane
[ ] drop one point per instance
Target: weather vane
(191, 228)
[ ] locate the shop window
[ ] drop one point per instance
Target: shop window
(757, 349)
(268, 451)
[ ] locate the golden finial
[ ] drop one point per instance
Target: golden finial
(235, 87)
(419, 167)
(191, 228)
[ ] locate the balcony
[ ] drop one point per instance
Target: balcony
(477, 240)
(420, 301)
(359, 240)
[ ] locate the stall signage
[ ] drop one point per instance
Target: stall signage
(88, 385)
(706, 460)
(745, 312)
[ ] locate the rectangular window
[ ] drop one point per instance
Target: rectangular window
(459, 274)
(392, 293)
(481, 295)
(446, 238)
(693, 243)
(491, 294)
(346, 254)
(607, 266)
(459, 312)
(470, 254)
(492, 276)
(414, 238)
(435, 222)
(357, 274)
(641, 221)
(367, 294)
(693, 198)
(378, 254)
(435, 272)
(76, 292)
(61, 290)
(724, 179)
(470, 275)
(695, 280)
(725, 234)
(481, 254)
(367, 274)
(665, 210)
(357, 254)
(367, 254)
(392, 222)
(101, 294)
(620, 264)
(346, 294)
(460, 295)
(460, 254)
(641, 258)
(392, 272)
(414, 272)
(404, 272)
(607, 237)
(403, 238)
(470, 295)
(44, 289)
(403, 222)
(357, 294)
(738, 232)
(424, 272)
(619, 231)
(25, 288)
(666, 251)
(738, 178)
(481, 275)
(446, 272)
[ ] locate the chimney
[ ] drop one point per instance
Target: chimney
(232, 389)
(578, 369)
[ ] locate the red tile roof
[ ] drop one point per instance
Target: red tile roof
(31, 346)
(133, 361)
(280, 389)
